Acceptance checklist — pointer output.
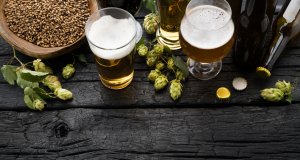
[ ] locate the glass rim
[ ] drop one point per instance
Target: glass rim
(228, 20)
(102, 10)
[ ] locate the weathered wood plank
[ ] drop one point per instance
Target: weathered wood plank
(207, 133)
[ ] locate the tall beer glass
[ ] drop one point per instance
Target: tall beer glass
(111, 34)
(206, 36)
(171, 13)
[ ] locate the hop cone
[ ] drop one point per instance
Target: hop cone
(272, 94)
(151, 22)
(38, 105)
(160, 82)
(151, 58)
(158, 49)
(175, 89)
(41, 67)
(68, 71)
(153, 75)
(63, 94)
(284, 86)
(179, 75)
(160, 65)
(52, 82)
(142, 50)
(170, 64)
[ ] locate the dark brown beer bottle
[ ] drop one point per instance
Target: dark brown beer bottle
(236, 6)
(252, 28)
(287, 26)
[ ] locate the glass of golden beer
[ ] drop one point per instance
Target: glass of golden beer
(206, 36)
(171, 13)
(111, 34)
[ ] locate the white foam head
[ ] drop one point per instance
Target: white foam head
(111, 38)
(207, 27)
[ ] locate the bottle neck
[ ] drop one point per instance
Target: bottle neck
(291, 11)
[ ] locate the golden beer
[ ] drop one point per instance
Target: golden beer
(111, 34)
(171, 13)
(206, 36)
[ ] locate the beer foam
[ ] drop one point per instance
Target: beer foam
(111, 38)
(207, 27)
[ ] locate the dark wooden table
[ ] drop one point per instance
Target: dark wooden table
(137, 123)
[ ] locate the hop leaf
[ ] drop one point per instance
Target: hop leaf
(33, 76)
(160, 82)
(272, 94)
(142, 50)
(9, 73)
(24, 83)
(175, 89)
(153, 75)
(179, 63)
(68, 71)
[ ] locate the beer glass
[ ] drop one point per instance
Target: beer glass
(111, 34)
(206, 36)
(171, 13)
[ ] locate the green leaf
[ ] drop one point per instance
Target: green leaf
(181, 65)
(32, 94)
(42, 93)
(9, 73)
(142, 41)
(23, 83)
(151, 5)
(33, 76)
(289, 98)
(28, 102)
(82, 58)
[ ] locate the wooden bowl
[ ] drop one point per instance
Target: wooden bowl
(33, 50)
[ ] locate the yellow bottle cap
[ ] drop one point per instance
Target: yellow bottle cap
(223, 93)
(263, 72)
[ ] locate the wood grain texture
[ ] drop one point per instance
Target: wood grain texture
(251, 133)
(31, 49)
(89, 92)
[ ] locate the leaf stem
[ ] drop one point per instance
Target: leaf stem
(15, 57)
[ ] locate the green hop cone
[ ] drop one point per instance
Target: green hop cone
(63, 94)
(151, 58)
(153, 75)
(160, 65)
(41, 67)
(160, 82)
(142, 50)
(158, 49)
(170, 64)
(52, 82)
(272, 94)
(179, 75)
(151, 22)
(38, 105)
(175, 89)
(285, 87)
(68, 71)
